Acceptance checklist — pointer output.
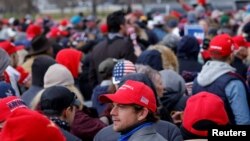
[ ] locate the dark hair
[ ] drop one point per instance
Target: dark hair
(115, 20)
(151, 117)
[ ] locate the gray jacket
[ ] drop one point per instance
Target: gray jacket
(146, 134)
(69, 136)
(166, 129)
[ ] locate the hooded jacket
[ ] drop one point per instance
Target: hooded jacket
(211, 71)
(187, 52)
(219, 78)
(39, 68)
(174, 84)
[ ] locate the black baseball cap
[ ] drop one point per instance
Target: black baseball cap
(57, 98)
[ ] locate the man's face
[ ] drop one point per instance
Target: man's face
(14, 60)
(124, 117)
(70, 114)
(243, 53)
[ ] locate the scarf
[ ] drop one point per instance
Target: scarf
(62, 124)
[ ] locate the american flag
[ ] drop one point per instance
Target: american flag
(122, 68)
(144, 100)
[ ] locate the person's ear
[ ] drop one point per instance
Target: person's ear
(67, 112)
(231, 58)
(142, 114)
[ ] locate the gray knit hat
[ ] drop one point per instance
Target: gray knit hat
(4, 60)
(58, 74)
(170, 40)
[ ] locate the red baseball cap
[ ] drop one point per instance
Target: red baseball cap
(33, 31)
(54, 33)
(221, 46)
(64, 22)
(8, 105)
(9, 47)
(240, 41)
(28, 125)
(202, 107)
(24, 75)
(132, 92)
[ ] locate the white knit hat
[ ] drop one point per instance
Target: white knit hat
(58, 74)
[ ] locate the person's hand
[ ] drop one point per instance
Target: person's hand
(177, 116)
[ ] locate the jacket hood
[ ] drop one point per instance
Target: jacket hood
(174, 85)
(170, 99)
(71, 59)
(213, 70)
(173, 80)
(40, 67)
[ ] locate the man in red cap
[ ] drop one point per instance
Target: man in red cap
(15, 74)
(133, 112)
(240, 54)
(218, 76)
(11, 49)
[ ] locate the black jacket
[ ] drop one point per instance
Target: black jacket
(118, 48)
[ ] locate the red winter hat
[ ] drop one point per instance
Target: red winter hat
(9, 47)
(70, 58)
(132, 92)
(204, 109)
(9, 105)
(240, 41)
(33, 31)
(28, 125)
(221, 46)
(54, 33)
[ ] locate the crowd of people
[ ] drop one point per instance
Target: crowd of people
(133, 76)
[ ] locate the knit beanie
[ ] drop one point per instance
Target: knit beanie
(70, 58)
(151, 58)
(54, 74)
